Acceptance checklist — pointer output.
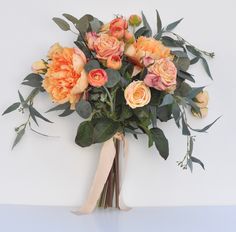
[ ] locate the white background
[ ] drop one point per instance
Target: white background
(54, 171)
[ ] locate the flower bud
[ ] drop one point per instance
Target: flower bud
(135, 20)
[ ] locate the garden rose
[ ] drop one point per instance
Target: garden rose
(114, 62)
(162, 75)
(97, 77)
(91, 38)
(106, 46)
(202, 99)
(118, 27)
(39, 67)
(66, 79)
(137, 94)
(146, 47)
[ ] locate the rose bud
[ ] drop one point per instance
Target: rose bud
(114, 62)
(135, 20)
(97, 77)
(203, 112)
(39, 67)
(129, 37)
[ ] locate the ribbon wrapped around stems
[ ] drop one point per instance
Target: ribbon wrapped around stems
(106, 183)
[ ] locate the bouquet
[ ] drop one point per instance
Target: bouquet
(121, 77)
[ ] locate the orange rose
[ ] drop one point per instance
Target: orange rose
(137, 94)
(97, 77)
(114, 62)
(66, 79)
(146, 47)
(118, 27)
(106, 46)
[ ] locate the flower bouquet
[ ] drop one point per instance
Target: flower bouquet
(121, 78)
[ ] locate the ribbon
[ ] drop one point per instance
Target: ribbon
(107, 156)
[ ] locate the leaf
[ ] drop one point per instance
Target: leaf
(92, 64)
(190, 164)
(183, 89)
(146, 24)
(185, 75)
(159, 23)
(84, 136)
(176, 113)
(95, 25)
(59, 107)
(34, 113)
(193, 50)
(196, 160)
(11, 108)
(104, 129)
(33, 76)
(84, 48)
(153, 112)
(206, 127)
(83, 23)
(170, 42)
(84, 109)
(179, 54)
(194, 60)
(71, 18)
(22, 100)
(195, 91)
(67, 112)
(114, 77)
(171, 26)
(142, 31)
(185, 130)
(161, 142)
(62, 24)
(206, 67)
(167, 100)
(18, 137)
(193, 105)
(33, 80)
(182, 63)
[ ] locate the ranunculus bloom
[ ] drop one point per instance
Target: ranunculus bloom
(162, 75)
(91, 38)
(106, 46)
(202, 99)
(146, 47)
(137, 94)
(66, 79)
(118, 27)
(135, 20)
(39, 67)
(114, 62)
(97, 77)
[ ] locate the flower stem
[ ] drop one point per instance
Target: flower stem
(110, 99)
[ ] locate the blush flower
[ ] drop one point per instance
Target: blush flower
(97, 77)
(118, 27)
(114, 62)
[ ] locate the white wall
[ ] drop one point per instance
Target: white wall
(52, 171)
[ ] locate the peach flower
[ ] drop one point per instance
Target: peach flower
(97, 77)
(118, 27)
(162, 75)
(39, 67)
(114, 62)
(91, 38)
(146, 47)
(106, 46)
(66, 79)
(202, 99)
(137, 94)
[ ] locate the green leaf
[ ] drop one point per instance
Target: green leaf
(84, 23)
(142, 31)
(167, 100)
(34, 113)
(176, 113)
(179, 54)
(67, 112)
(171, 26)
(183, 89)
(170, 42)
(84, 48)
(62, 24)
(190, 164)
(196, 160)
(164, 113)
(92, 64)
(185, 130)
(159, 23)
(146, 24)
(11, 108)
(104, 129)
(33, 80)
(206, 67)
(182, 63)
(194, 60)
(22, 100)
(114, 77)
(195, 91)
(71, 18)
(18, 137)
(206, 127)
(193, 50)
(84, 109)
(185, 75)
(84, 136)
(161, 142)
(95, 25)
(59, 107)
(33, 76)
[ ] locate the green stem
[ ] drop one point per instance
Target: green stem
(110, 99)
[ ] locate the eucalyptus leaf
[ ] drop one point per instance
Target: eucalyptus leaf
(176, 113)
(33, 76)
(66, 112)
(146, 24)
(84, 136)
(62, 24)
(142, 31)
(159, 23)
(71, 18)
(92, 64)
(206, 67)
(114, 77)
(167, 100)
(195, 91)
(171, 26)
(19, 136)
(59, 107)
(194, 60)
(12, 107)
(185, 75)
(84, 109)
(34, 113)
(185, 130)
(196, 160)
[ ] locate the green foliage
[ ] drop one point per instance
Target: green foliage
(12, 107)
(84, 109)
(61, 23)
(114, 77)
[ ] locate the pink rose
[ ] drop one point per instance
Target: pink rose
(91, 38)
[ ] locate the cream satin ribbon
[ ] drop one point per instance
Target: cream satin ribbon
(105, 163)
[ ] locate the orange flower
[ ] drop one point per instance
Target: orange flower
(106, 45)
(66, 79)
(114, 62)
(118, 27)
(97, 77)
(146, 47)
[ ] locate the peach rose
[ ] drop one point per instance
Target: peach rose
(118, 27)
(146, 47)
(91, 37)
(162, 75)
(202, 99)
(66, 79)
(114, 62)
(137, 94)
(97, 77)
(39, 67)
(106, 46)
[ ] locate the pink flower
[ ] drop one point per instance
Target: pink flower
(91, 38)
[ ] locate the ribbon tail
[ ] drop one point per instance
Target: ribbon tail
(105, 163)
